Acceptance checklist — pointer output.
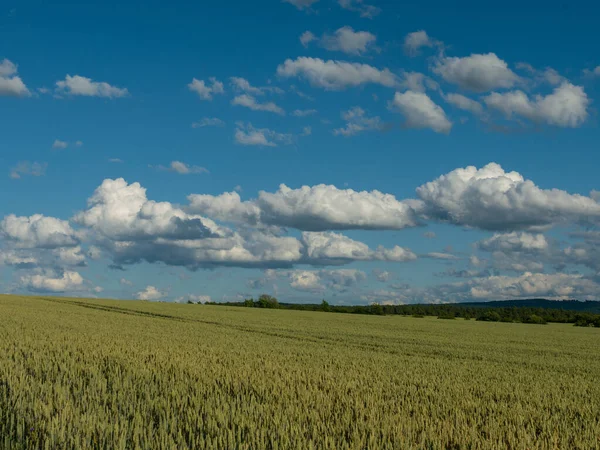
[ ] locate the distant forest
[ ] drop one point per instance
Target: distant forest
(533, 311)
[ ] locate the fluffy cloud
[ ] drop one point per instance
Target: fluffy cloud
(70, 256)
(183, 168)
(34, 169)
(37, 231)
(359, 6)
(78, 85)
(344, 40)
(301, 4)
(335, 248)
(121, 211)
(11, 84)
(193, 298)
(357, 121)
(246, 134)
(208, 122)
(413, 42)
(515, 242)
(149, 293)
(335, 75)
(313, 281)
(416, 81)
(306, 38)
(250, 102)
(439, 255)
(421, 112)
(18, 259)
(492, 199)
(317, 208)
(48, 282)
(204, 91)
(477, 73)
(566, 106)
(58, 144)
(464, 103)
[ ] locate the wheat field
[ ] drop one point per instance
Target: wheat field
(81, 374)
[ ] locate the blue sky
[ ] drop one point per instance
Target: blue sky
(427, 152)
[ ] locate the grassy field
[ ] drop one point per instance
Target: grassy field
(109, 374)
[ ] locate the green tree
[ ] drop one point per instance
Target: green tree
(267, 301)
(325, 306)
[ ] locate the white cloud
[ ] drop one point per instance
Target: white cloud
(492, 199)
(58, 144)
(70, 256)
(125, 282)
(565, 107)
(515, 242)
(34, 169)
(18, 259)
(413, 42)
(250, 102)
(47, 282)
(183, 168)
(246, 134)
(38, 231)
(421, 112)
(241, 84)
(305, 280)
(477, 73)
(149, 293)
(311, 208)
(11, 84)
(416, 81)
(329, 247)
(359, 6)
(303, 112)
(464, 103)
(306, 38)
(208, 122)
(78, 85)
(301, 4)
(121, 212)
(204, 91)
(335, 75)
(347, 40)
(383, 276)
(357, 121)
(193, 298)
(315, 281)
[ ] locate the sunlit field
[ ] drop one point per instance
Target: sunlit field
(128, 374)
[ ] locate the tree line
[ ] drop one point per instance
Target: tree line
(518, 314)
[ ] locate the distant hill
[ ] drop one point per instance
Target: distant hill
(568, 305)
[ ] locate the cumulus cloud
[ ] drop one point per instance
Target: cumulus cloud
(18, 259)
(306, 38)
(421, 112)
(514, 242)
(150, 293)
(464, 103)
(357, 121)
(414, 42)
(335, 248)
(566, 106)
(37, 231)
(47, 282)
(476, 73)
(359, 6)
(439, 255)
(78, 85)
(58, 144)
(246, 134)
(250, 102)
(70, 256)
(416, 81)
(383, 276)
(208, 122)
(335, 75)
(345, 40)
(204, 90)
(121, 211)
(314, 281)
(242, 85)
(34, 169)
(301, 4)
(492, 199)
(194, 298)
(311, 208)
(305, 280)
(183, 168)
(11, 85)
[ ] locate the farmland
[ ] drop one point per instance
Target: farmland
(80, 373)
